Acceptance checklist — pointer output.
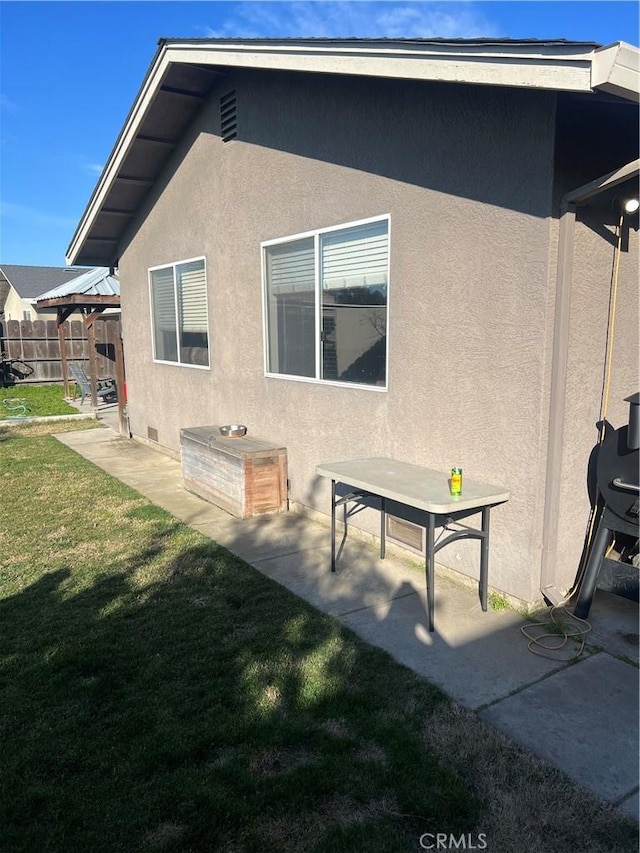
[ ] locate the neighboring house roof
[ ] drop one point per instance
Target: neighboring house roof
(29, 282)
(96, 282)
(184, 71)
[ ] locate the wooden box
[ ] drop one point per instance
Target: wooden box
(244, 476)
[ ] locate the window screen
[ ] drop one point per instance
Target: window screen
(180, 314)
(326, 304)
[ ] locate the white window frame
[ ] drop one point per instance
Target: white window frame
(173, 266)
(316, 234)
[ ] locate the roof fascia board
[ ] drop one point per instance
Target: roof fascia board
(369, 47)
(466, 65)
(616, 70)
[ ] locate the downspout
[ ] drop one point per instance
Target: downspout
(568, 207)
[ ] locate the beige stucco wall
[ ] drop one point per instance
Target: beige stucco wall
(594, 259)
(14, 307)
(465, 175)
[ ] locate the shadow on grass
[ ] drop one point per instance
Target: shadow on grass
(207, 709)
(157, 693)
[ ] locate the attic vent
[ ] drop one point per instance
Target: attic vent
(228, 117)
(406, 533)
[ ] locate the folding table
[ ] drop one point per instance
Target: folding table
(401, 483)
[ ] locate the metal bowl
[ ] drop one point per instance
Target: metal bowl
(233, 430)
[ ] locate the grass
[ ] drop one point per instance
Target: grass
(157, 693)
(497, 602)
(40, 400)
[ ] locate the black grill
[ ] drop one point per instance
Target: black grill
(617, 473)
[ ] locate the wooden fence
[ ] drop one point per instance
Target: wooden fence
(36, 343)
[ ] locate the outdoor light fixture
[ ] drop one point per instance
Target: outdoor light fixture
(631, 205)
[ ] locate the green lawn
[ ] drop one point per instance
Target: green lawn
(157, 693)
(40, 400)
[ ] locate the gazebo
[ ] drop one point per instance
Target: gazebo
(90, 294)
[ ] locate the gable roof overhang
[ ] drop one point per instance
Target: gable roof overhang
(183, 73)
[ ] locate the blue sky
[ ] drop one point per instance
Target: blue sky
(69, 72)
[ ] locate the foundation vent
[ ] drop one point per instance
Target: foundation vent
(152, 433)
(228, 117)
(406, 533)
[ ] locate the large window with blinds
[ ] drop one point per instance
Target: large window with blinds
(178, 295)
(325, 295)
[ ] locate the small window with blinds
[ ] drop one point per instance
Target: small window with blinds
(179, 313)
(326, 304)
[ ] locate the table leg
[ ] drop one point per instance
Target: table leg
(429, 568)
(333, 525)
(383, 520)
(484, 558)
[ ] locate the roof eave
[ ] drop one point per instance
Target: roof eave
(616, 70)
(558, 66)
(127, 134)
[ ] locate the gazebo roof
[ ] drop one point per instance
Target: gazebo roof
(90, 294)
(96, 287)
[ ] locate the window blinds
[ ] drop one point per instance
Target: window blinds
(291, 268)
(192, 296)
(357, 257)
(164, 304)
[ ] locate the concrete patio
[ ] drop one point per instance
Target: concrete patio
(581, 717)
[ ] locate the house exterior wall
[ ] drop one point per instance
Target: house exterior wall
(465, 174)
(15, 306)
(594, 261)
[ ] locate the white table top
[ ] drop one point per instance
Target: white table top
(414, 485)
